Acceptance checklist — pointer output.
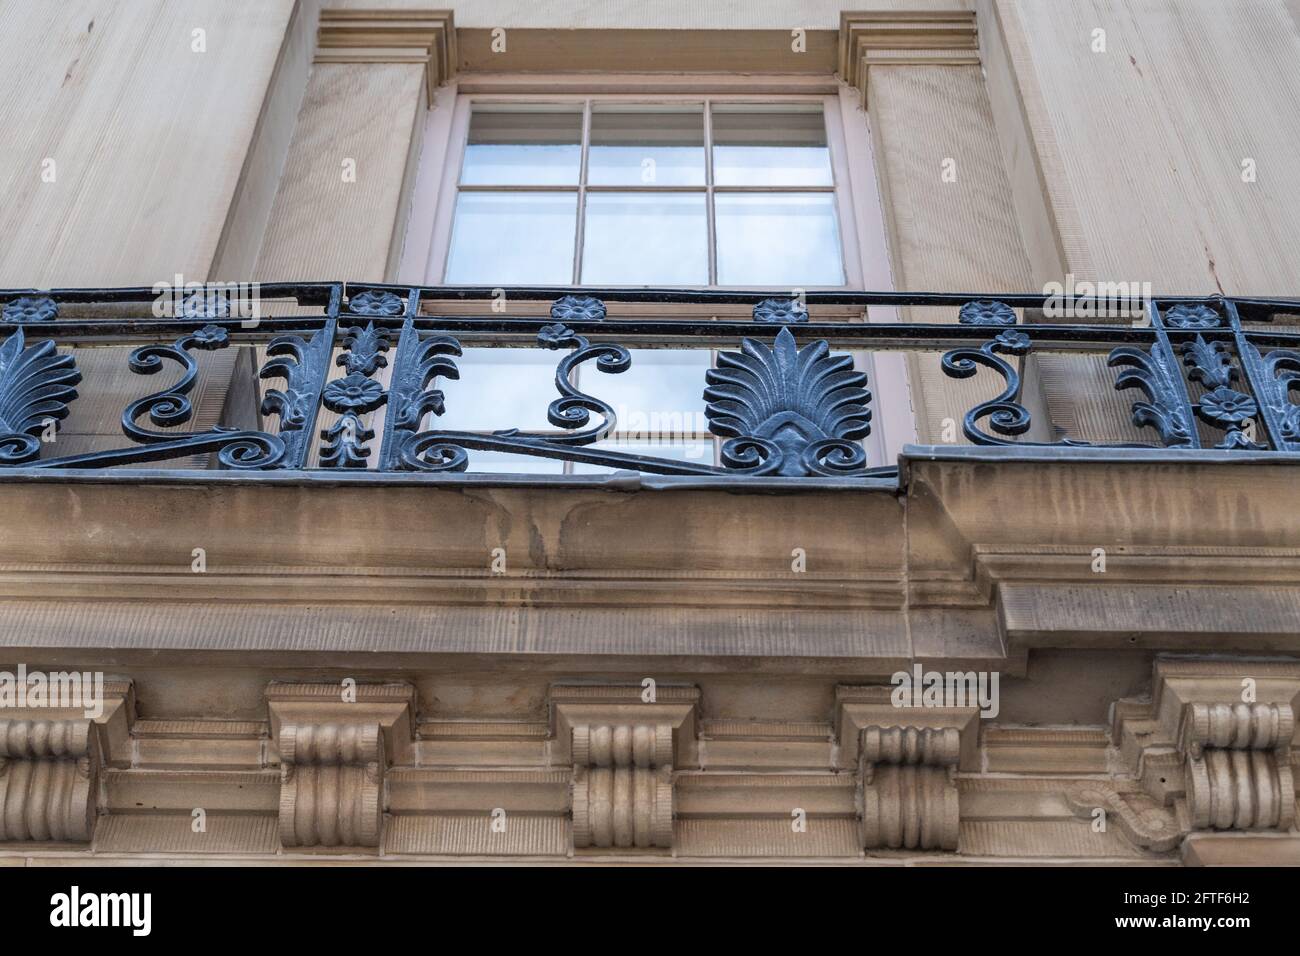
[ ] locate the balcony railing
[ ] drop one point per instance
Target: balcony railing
(350, 373)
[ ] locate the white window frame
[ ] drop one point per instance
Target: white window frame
(859, 207)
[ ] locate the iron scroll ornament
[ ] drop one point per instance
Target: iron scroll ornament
(787, 411)
(447, 450)
(236, 448)
(1005, 413)
(36, 386)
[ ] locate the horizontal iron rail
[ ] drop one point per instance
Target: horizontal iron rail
(788, 409)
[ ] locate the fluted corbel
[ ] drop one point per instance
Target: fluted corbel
(1211, 750)
(907, 759)
(623, 749)
(335, 744)
(50, 762)
(1237, 773)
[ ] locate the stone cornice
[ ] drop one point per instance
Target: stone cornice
(904, 38)
(995, 558)
(424, 37)
(871, 779)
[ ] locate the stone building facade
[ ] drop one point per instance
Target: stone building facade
(1001, 572)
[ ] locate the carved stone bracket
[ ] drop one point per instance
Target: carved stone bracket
(907, 758)
(425, 37)
(623, 750)
(1212, 748)
(1142, 821)
(1238, 771)
(336, 742)
(50, 761)
(899, 38)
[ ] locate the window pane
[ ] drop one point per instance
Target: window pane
(756, 147)
(500, 388)
(695, 452)
(661, 395)
(513, 239)
(645, 239)
(502, 463)
(781, 239)
(523, 149)
(646, 148)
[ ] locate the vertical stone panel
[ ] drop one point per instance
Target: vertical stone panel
(148, 137)
(945, 236)
(1137, 154)
(342, 204)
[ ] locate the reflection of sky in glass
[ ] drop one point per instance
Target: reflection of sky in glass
(784, 239)
(697, 453)
(502, 463)
(761, 148)
(645, 239)
(500, 388)
(521, 165)
(645, 148)
(771, 166)
(663, 391)
(512, 239)
(523, 149)
(646, 166)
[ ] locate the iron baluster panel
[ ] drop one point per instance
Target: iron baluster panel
(1270, 377)
(783, 408)
(301, 360)
(1156, 372)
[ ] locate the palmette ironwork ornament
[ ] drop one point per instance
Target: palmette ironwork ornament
(300, 361)
(37, 384)
(1209, 363)
(1275, 375)
(365, 350)
(346, 443)
(794, 411)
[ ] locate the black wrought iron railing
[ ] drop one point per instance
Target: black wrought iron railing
(351, 375)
